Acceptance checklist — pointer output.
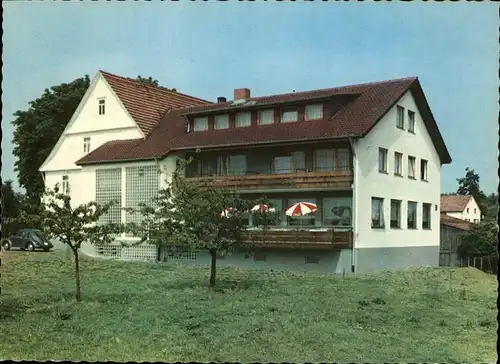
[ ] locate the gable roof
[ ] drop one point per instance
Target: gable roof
(360, 107)
(455, 223)
(454, 203)
(146, 103)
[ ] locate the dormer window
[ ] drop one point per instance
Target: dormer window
(265, 117)
(289, 116)
(86, 145)
(314, 112)
(102, 106)
(200, 124)
(221, 121)
(243, 119)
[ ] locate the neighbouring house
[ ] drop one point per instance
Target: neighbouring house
(451, 231)
(368, 155)
(462, 207)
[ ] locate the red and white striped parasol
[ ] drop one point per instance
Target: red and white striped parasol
(262, 208)
(226, 212)
(301, 209)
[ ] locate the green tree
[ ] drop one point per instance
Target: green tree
(480, 241)
(189, 215)
(153, 82)
(12, 204)
(72, 226)
(38, 129)
(469, 185)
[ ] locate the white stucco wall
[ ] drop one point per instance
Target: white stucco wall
(371, 183)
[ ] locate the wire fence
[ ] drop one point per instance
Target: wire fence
(486, 264)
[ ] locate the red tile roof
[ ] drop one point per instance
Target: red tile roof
(455, 223)
(147, 104)
(361, 106)
(454, 203)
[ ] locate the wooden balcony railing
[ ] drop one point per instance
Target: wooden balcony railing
(298, 179)
(329, 239)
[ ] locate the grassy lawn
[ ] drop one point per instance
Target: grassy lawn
(163, 312)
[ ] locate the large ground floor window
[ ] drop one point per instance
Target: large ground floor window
(109, 188)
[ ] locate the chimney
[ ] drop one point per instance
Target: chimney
(221, 99)
(241, 93)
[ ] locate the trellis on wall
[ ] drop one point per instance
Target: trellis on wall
(142, 185)
(109, 188)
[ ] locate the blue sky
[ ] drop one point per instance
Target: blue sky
(208, 49)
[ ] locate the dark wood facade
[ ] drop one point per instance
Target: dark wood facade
(299, 239)
(261, 172)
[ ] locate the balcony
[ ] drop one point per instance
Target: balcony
(278, 179)
(300, 239)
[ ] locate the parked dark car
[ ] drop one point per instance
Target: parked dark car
(27, 239)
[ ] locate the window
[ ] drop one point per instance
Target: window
(467, 210)
(200, 124)
(411, 167)
(426, 216)
(476, 221)
(400, 117)
(323, 160)
(314, 112)
(141, 186)
(221, 121)
(102, 106)
(423, 170)
(289, 115)
(412, 215)
(398, 164)
(337, 211)
(342, 159)
(475, 210)
(301, 221)
(243, 119)
(411, 121)
(109, 188)
(265, 117)
(286, 164)
(282, 164)
(237, 165)
(65, 185)
(86, 145)
(377, 212)
(395, 214)
(277, 204)
(382, 160)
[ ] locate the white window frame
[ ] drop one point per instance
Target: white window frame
(243, 119)
(398, 164)
(86, 145)
(307, 111)
(65, 185)
(415, 224)
(411, 121)
(382, 153)
(101, 106)
(400, 117)
(221, 122)
(410, 160)
(200, 123)
(289, 111)
(395, 209)
(381, 224)
(424, 165)
(269, 112)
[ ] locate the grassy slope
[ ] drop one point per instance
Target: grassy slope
(136, 311)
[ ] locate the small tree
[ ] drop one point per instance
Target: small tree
(481, 240)
(190, 215)
(73, 226)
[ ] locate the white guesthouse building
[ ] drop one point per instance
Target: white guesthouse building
(368, 155)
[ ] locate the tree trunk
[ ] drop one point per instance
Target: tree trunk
(213, 267)
(77, 276)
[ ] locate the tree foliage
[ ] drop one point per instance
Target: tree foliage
(38, 129)
(481, 240)
(72, 226)
(12, 205)
(469, 185)
(153, 82)
(192, 216)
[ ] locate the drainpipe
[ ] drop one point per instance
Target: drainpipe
(354, 212)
